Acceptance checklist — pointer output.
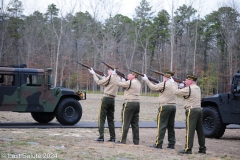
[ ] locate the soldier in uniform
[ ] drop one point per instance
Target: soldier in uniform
(107, 107)
(166, 110)
(131, 107)
(192, 95)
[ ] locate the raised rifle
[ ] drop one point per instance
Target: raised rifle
(150, 78)
(119, 73)
(162, 74)
(86, 66)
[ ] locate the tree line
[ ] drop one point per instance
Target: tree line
(182, 42)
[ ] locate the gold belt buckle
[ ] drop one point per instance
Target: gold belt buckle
(188, 107)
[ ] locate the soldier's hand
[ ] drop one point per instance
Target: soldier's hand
(102, 77)
(181, 85)
(91, 71)
(114, 71)
(123, 80)
(144, 77)
(171, 79)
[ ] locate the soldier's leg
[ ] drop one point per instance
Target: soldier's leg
(110, 118)
(190, 129)
(134, 124)
(171, 130)
(158, 125)
(102, 117)
(200, 132)
(162, 124)
(122, 111)
(126, 116)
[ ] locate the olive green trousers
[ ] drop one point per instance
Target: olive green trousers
(130, 116)
(194, 120)
(165, 121)
(107, 110)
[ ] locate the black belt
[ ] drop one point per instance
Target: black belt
(109, 95)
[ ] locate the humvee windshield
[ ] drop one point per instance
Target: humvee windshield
(34, 80)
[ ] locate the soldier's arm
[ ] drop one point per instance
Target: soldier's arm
(101, 82)
(119, 83)
(183, 92)
(155, 87)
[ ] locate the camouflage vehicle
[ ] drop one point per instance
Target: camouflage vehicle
(221, 110)
(30, 90)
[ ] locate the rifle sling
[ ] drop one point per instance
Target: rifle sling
(129, 85)
(161, 91)
(186, 97)
(108, 81)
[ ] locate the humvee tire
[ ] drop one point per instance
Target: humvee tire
(212, 123)
(43, 117)
(69, 111)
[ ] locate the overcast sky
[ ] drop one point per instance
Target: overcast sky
(124, 7)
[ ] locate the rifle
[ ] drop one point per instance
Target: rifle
(86, 66)
(119, 73)
(162, 74)
(150, 78)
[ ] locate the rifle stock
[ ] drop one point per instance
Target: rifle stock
(150, 78)
(162, 74)
(86, 66)
(118, 72)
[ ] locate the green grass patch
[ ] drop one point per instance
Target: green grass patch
(223, 156)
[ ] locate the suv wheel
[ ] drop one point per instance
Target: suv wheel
(43, 117)
(212, 123)
(69, 111)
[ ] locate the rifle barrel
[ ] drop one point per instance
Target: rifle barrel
(162, 74)
(118, 72)
(86, 66)
(136, 72)
(150, 78)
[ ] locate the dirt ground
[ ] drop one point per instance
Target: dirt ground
(77, 143)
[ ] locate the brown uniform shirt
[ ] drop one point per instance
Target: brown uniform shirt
(167, 96)
(111, 89)
(195, 96)
(131, 94)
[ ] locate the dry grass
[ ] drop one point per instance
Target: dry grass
(77, 143)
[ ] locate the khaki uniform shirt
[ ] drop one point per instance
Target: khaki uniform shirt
(168, 95)
(194, 100)
(111, 89)
(132, 94)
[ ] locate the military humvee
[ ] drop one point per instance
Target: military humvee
(30, 90)
(221, 110)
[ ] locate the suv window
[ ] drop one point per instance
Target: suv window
(7, 79)
(238, 86)
(34, 80)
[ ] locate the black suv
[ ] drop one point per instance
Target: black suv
(221, 110)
